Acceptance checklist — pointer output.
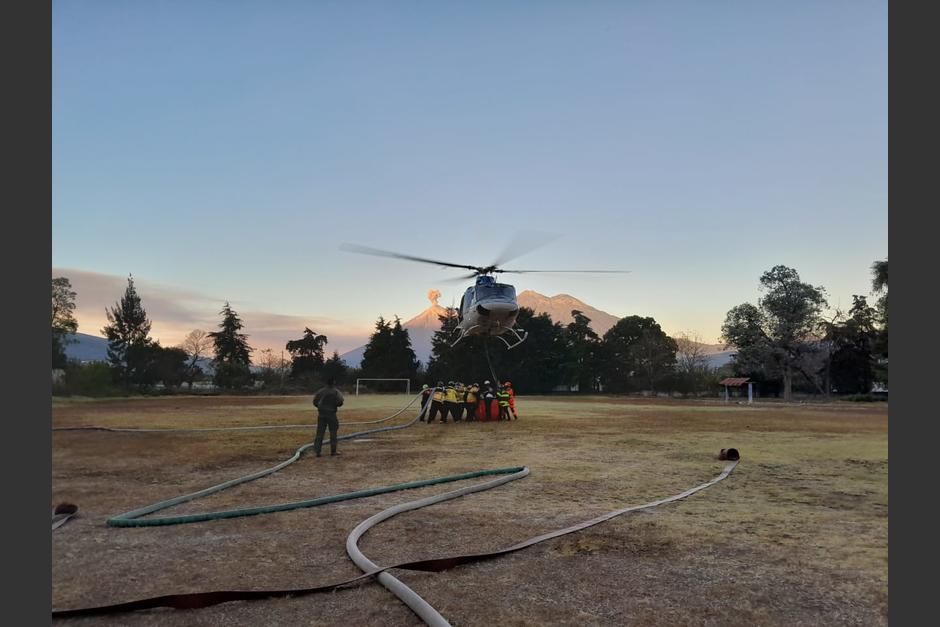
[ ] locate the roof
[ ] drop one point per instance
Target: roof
(734, 381)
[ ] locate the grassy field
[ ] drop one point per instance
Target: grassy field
(797, 535)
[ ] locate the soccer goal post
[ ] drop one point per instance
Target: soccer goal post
(407, 384)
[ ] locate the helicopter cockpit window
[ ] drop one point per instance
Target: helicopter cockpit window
(460, 311)
(496, 290)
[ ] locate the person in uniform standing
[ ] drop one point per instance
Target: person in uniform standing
(488, 395)
(512, 399)
(437, 403)
(425, 399)
(470, 400)
(327, 400)
(503, 397)
(450, 402)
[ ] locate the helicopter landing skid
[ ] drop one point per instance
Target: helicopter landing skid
(520, 339)
(463, 334)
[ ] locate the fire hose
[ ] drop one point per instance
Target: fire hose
(418, 605)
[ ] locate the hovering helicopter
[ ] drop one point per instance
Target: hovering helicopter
(487, 307)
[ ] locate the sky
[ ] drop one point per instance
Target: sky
(222, 151)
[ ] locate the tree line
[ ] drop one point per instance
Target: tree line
(788, 341)
(135, 361)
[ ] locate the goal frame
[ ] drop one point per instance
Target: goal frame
(407, 382)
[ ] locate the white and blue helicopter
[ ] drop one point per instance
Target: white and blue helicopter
(487, 307)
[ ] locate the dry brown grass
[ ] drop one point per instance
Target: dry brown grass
(796, 536)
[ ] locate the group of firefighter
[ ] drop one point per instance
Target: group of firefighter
(468, 403)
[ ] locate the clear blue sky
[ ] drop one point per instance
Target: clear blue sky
(228, 148)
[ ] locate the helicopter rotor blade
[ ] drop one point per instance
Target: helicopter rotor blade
(568, 271)
(524, 242)
(460, 279)
(365, 250)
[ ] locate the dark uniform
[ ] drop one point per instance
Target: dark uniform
(327, 400)
(450, 402)
(425, 399)
(470, 399)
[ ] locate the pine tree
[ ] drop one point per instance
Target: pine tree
(375, 355)
(335, 368)
(402, 359)
(444, 361)
(128, 334)
(232, 353)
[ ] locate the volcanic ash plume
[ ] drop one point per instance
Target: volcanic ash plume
(433, 295)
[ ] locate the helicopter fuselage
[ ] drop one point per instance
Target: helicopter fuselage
(487, 308)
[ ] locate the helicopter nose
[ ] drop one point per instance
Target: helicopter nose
(499, 309)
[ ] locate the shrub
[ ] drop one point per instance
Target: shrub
(96, 379)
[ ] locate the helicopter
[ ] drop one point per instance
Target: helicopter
(488, 307)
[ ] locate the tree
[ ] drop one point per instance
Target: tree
(775, 335)
(691, 362)
(536, 365)
(197, 345)
(376, 350)
(637, 354)
(879, 286)
(166, 365)
(830, 328)
(853, 358)
(403, 362)
(335, 368)
(307, 353)
(232, 353)
(389, 353)
(63, 319)
(273, 367)
(446, 360)
(583, 347)
(128, 334)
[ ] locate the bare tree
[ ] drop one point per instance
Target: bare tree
(197, 345)
(273, 367)
(691, 359)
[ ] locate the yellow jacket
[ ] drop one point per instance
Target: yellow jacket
(438, 394)
(450, 395)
